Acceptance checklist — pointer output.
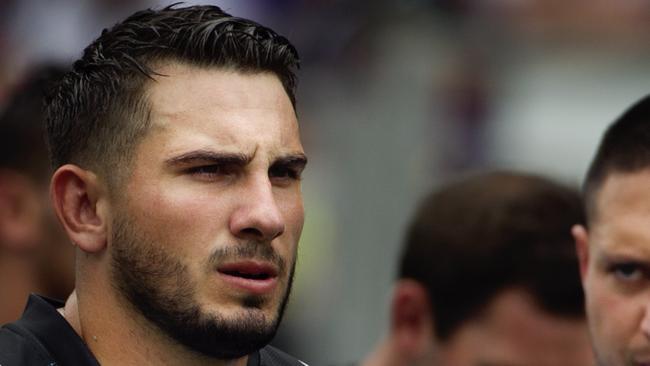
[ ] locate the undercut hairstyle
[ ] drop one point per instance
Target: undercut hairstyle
(475, 238)
(22, 123)
(100, 110)
(624, 148)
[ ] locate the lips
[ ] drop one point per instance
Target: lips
(250, 276)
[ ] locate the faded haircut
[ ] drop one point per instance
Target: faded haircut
(99, 111)
(625, 148)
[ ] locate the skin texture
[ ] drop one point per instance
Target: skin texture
(513, 331)
(218, 170)
(615, 266)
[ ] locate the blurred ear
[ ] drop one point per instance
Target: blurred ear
(581, 237)
(20, 212)
(80, 200)
(411, 319)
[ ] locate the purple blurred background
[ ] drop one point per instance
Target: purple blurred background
(394, 98)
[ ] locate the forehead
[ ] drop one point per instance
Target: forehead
(623, 211)
(203, 106)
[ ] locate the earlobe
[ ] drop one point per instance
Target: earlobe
(77, 195)
(581, 237)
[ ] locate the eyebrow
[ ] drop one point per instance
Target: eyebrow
(296, 160)
(208, 156)
(608, 258)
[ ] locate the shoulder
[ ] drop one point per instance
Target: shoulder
(270, 356)
(19, 348)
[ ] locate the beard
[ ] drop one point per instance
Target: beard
(158, 286)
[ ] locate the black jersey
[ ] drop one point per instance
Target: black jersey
(42, 337)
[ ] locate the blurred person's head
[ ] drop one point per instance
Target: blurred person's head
(489, 276)
(35, 255)
(614, 246)
(178, 160)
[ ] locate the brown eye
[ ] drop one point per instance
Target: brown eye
(212, 171)
(627, 271)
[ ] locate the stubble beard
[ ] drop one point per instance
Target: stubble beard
(158, 286)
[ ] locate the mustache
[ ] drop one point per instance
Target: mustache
(250, 250)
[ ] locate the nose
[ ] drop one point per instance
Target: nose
(257, 217)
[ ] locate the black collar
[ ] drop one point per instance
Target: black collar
(43, 321)
(45, 325)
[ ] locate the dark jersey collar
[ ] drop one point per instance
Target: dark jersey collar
(43, 321)
(253, 359)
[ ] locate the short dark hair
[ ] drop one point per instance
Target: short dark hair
(22, 123)
(482, 235)
(624, 148)
(100, 110)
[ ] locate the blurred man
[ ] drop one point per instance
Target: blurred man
(178, 163)
(614, 247)
(35, 255)
(489, 277)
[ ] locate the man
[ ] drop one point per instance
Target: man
(178, 180)
(35, 256)
(488, 277)
(614, 247)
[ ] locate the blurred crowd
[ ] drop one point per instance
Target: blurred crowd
(395, 97)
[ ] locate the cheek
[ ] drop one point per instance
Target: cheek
(291, 205)
(613, 317)
(178, 217)
(296, 220)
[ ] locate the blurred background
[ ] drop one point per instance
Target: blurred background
(396, 97)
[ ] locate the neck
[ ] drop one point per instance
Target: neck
(107, 324)
(16, 283)
(389, 353)
(386, 354)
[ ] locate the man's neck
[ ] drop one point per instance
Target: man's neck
(384, 354)
(117, 335)
(388, 353)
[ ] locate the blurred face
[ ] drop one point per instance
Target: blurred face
(615, 264)
(33, 235)
(513, 331)
(56, 259)
(205, 235)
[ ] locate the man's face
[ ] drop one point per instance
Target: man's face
(615, 265)
(206, 233)
(514, 331)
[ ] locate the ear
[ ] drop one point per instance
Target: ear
(411, 319)
(80, 202)
(20, 212)
(581, 237)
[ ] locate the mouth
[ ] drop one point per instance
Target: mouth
(250, 276)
